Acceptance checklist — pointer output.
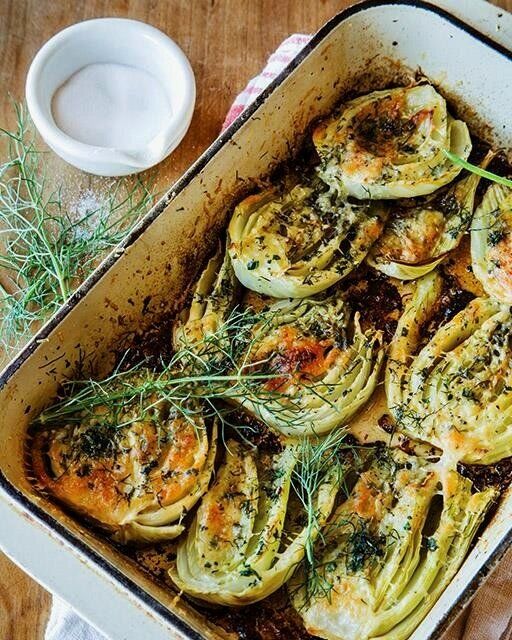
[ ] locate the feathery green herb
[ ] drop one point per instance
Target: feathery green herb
(319, 462)
(199, 377)
(46, 250)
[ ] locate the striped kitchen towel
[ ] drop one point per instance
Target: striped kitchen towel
(284, 54)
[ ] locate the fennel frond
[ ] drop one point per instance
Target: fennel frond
(46, 249)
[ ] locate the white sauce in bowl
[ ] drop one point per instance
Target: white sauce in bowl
(111, 105)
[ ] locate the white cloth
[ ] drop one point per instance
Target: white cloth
(65, 624)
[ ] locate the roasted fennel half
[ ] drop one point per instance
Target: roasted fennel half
(389, 550)
(390, 144)
(324, 367)
(455, 391)
(295, 240)
(419, 235)
(491, 242)
(130, 461)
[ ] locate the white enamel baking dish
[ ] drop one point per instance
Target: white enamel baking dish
(360, 48)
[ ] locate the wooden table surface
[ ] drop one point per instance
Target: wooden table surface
(227, 42)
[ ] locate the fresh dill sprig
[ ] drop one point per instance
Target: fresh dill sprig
(477, 170)
(211, 377)
(46, 250)
(198, 377)
(319, 461)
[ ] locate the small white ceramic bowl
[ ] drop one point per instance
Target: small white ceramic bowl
(111, 40)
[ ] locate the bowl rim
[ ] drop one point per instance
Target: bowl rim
(62, 143)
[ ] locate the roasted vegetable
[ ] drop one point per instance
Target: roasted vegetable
(389, 550)
(322, 367)
(455, 391)
(293, 242)
(134, 470)
(389, 144)
(491, 243)
(237, 550)
(457, 266)
(213, 298)
(417, 238)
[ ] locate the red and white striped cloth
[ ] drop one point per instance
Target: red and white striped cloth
(284, 54)
(489, 615)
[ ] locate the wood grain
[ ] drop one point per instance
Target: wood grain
(24, 605)
(227, 42)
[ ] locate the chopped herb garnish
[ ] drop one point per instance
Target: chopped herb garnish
(431, 544)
